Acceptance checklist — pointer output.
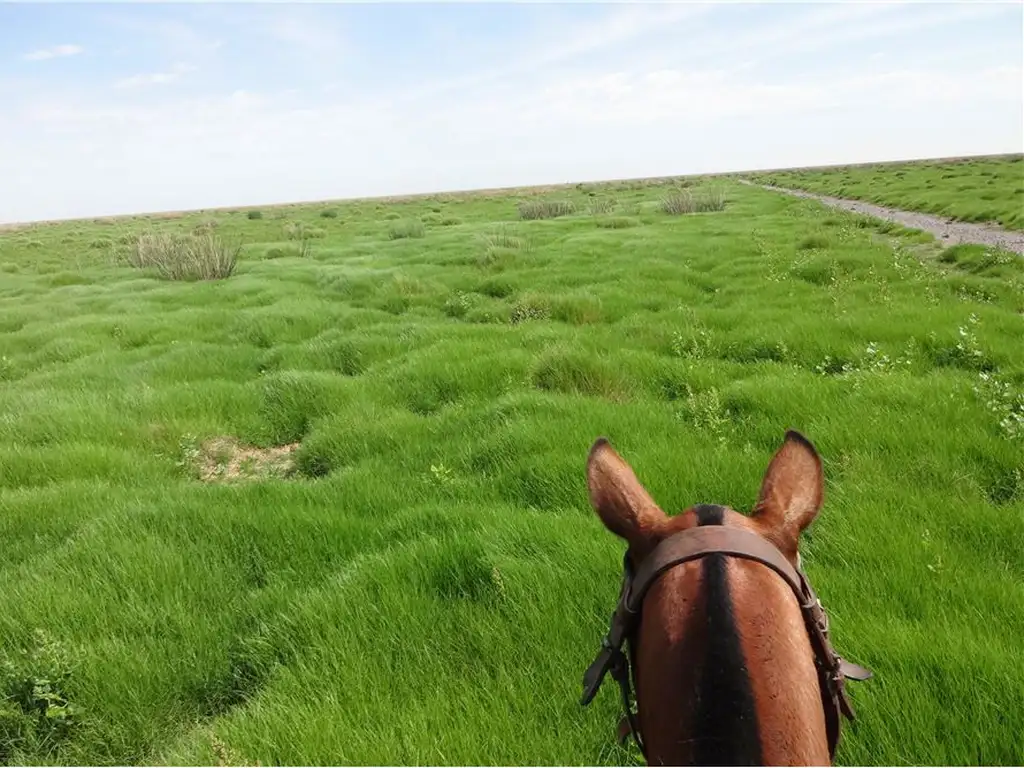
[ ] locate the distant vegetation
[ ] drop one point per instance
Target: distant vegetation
(973, 189)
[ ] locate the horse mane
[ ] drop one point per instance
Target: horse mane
(725, 721)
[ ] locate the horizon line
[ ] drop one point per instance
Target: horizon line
(466, 192)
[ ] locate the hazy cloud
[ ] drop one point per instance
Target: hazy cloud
(155, 78)
(56, 52)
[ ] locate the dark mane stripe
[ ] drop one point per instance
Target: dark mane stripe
(725, 729)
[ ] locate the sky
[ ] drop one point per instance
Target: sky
(141, 107)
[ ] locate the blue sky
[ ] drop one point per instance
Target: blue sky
(135, 107)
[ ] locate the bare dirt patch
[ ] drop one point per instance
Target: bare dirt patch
(947, 231)
(225, 459)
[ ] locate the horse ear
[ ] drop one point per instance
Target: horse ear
(792, 493)
(622, 503)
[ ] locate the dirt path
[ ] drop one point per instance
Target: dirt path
(947, 231)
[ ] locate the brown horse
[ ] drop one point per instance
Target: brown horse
(729, 646)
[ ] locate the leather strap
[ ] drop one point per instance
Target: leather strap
(695, 543)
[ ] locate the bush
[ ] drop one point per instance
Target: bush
(255, 215)
(185, 257)
(329, 213)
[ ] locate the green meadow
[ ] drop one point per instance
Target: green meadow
(331, 507)
(980, 189)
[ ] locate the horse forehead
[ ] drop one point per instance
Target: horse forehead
(690, 518)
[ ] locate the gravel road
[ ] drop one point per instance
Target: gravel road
(948, 231)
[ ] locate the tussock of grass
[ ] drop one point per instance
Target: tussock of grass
(298, 230)
(406, 229)
(205, 227)
(685, 201)
(982, 260)
(184, 257)
(504, 237)
(291, 251)
(578, 373)
(530, 210)
(813, 243)
(602, 205)
(617, 222)
(497, 288)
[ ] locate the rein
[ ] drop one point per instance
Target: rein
(692, 544)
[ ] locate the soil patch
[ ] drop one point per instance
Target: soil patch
(948, 231)
(225, 460)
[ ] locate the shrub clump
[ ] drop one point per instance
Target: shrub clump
(545, 209)
(184, 257)
(253, 215)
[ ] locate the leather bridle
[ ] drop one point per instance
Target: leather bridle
(692, 544)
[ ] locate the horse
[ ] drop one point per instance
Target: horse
(728, 644)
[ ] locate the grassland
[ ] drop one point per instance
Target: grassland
(428, 583)
(970, 189)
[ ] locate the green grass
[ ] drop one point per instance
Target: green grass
(429, 583)
(973, 189)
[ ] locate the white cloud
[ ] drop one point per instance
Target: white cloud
(644, 90)
(56, 52)
(252, 148)
(565, 42)
(155, 78)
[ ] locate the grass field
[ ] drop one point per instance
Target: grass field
(428, 583)
(973, 189)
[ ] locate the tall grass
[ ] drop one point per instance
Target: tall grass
(545, 209)
(686, 201)
(197, 256)
(407, 228)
